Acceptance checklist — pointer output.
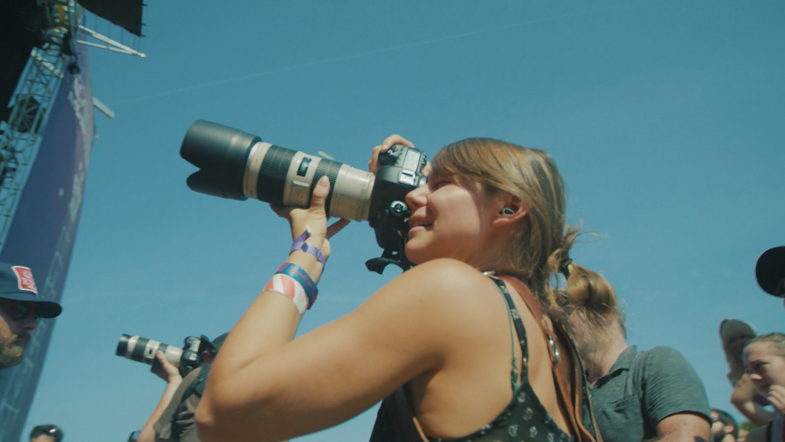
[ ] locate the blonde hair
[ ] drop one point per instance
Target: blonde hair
(540, 247)
(777, 339)
(591, 297)
(730, 328)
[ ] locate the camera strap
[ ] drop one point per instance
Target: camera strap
(573, 403)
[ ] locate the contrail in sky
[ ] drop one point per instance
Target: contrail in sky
(353, 56)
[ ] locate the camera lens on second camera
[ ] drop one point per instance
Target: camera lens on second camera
(137, 348)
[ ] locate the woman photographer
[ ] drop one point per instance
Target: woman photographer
(458, 356)
(764, 358)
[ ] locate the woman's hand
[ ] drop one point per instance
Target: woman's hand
(776, 396)
(373, 164)
(314, 217)
(165, 369)
(743, 399)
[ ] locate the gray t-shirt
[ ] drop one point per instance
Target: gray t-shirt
(641, 389)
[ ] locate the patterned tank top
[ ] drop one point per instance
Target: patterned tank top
(524, 418)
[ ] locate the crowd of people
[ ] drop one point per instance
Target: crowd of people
(495, 334)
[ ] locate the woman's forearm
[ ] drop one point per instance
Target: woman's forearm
(269, 323)
(741, 398)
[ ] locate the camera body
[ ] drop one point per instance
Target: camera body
(237, 165)
(400, 173)
(187, 358)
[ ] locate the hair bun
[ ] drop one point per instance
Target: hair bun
(590, 291)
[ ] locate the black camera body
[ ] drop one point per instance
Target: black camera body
(237, 165)
(187, 358)
(400, 173)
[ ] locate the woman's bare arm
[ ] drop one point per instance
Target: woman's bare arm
(335, 372)
(741, 398)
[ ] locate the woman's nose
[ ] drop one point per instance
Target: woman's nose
(417, 197)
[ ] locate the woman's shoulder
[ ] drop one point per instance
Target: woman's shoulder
(442, 280)
(446, 272)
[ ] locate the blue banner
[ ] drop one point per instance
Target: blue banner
(43, 229)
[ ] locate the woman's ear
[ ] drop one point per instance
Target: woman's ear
(511, 211)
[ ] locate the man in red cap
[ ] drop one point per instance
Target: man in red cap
(20, 309)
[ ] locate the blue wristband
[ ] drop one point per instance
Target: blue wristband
(298, 274)
(301, 245)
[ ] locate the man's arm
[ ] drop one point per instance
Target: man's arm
(683, 427)
(171, 375)
(675, 399)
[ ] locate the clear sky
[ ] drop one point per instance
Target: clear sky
(666, 118)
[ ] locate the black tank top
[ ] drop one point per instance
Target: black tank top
(524, 418)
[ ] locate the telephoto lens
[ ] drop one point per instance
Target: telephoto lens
(237, 165)
(143, 350)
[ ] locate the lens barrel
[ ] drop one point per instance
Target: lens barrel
(143, 350)
(237, 165)
(222, 154)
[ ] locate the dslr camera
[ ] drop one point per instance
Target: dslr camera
(237, 165)
(190, 356)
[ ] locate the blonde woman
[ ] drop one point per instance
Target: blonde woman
(764, 358)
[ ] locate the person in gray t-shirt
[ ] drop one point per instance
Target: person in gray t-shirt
(636, 395)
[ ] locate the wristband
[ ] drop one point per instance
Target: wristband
(289, 287)
(298, 274)
(301, 245)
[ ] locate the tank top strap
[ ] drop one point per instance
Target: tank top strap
(520, 331)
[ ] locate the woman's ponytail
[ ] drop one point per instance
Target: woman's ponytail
(585, 292)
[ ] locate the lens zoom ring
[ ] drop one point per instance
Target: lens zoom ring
(272, 174)
(137, 354)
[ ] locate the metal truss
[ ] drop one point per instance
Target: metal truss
(37, 89)
(107, 43)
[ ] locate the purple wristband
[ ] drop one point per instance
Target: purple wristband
(301, 245)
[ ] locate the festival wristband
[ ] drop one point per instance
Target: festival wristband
(301, 245)
(289, 287)
(298, 274)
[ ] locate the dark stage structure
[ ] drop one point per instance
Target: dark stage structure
(46, 133)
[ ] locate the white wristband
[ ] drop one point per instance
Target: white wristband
(289, 287)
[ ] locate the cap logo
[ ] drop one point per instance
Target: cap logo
(24, 277)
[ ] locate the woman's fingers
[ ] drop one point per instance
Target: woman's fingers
(395, 139)
(336, 227)
(373, 164)
(281, 211)
(777, 397)
(320, 193)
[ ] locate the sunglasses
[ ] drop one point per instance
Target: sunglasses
(21, 310)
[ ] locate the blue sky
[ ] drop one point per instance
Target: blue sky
(666, 119)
